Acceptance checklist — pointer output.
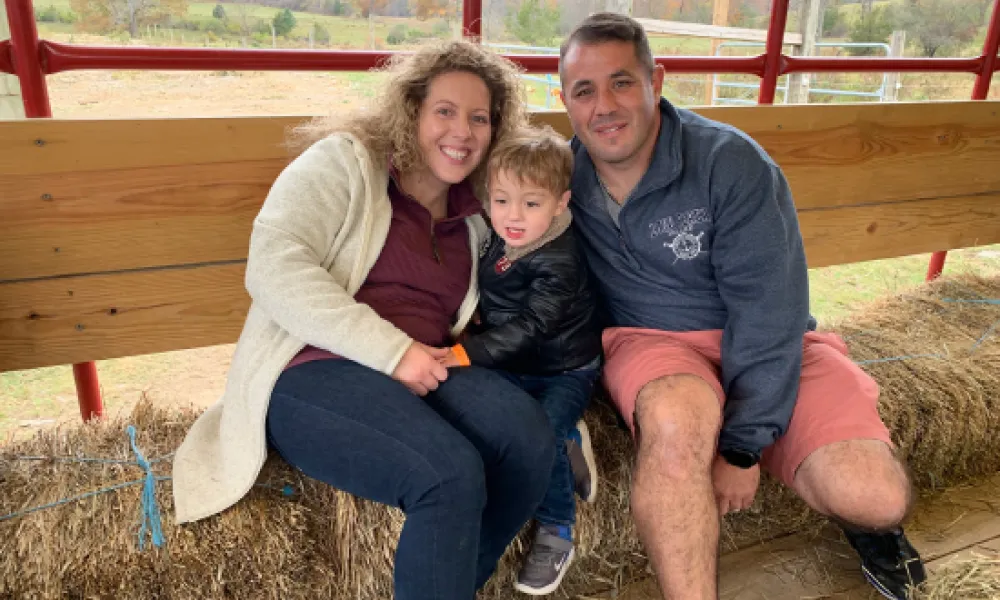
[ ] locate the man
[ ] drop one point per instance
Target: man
(711, 354)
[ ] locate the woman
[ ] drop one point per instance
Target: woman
(361, 269)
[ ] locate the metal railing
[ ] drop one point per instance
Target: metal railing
(718, 84)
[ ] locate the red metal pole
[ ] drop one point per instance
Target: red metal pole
(980, 91)
(472, 19)
(990, 63)
(88, 390)
(773, 59)
(26, 54)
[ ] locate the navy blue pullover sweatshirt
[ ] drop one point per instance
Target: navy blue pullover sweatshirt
(708, 240)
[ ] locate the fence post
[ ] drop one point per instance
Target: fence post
(897, 47)
(809, 23)
(720, 17)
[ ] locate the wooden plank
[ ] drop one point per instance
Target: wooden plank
(130, 218)
(860, 154)
(67, 320)
(682, 29)
(834, 155)
(56, 146)
(855, 234)
(832, 237)
(904, 179)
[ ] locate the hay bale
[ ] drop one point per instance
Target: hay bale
(975, 578)
(319, 542)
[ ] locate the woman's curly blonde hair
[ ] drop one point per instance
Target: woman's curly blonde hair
(389, 127)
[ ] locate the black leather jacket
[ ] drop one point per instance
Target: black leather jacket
(538, 315)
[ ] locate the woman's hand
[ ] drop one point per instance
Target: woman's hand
(420, 369)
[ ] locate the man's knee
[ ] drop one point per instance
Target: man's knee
(677, 421)
(860, 482)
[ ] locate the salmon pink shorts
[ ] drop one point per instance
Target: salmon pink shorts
(837, 400)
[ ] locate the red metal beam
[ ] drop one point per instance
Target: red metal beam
(472, 19)
(25, 58)
(6, 59)
(59, 57)
(774, 60)
(69, 57)
(818, 64)
(980, 91)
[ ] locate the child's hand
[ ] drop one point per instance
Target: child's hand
(455, 357)
(450, 360)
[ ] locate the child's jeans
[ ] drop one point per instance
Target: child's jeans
(563, 397)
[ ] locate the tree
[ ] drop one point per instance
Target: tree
(284, 22)
(244, 21)
(834, 22)
(534, 23)
(219, 13)
(938, 24)
(321, 34)
(370, 7)
(337, 8)
(130, 15)
(427, 9)
(874, 26)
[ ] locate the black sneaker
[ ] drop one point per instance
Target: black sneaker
(888, 560)
(546, 563)
(581, 461)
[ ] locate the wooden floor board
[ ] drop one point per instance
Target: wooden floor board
(956, 525)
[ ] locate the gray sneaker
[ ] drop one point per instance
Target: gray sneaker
(581, 460)
(546, 563)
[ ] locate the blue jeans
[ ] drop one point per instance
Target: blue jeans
(563, 397)
(468, 464)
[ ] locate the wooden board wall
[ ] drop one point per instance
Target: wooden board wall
(124, 237)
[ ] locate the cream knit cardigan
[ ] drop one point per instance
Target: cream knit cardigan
(317, 236)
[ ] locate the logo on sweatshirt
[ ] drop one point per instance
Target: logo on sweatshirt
(684, 243)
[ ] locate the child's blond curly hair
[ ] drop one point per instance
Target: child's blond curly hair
(535, 155)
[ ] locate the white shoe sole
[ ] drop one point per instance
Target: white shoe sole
(875, 583)
(588, 457)
(552, 586)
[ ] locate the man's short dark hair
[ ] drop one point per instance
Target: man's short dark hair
(603, 27)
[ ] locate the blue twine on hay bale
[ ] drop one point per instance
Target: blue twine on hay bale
(151, 521)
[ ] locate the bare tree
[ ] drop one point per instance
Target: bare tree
(109, 15)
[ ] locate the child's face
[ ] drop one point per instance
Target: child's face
(521, 211)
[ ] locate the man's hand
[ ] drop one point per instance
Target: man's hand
(420, 369)
(734, 487)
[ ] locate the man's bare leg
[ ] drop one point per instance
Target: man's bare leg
(677, 422)
(857, 482)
